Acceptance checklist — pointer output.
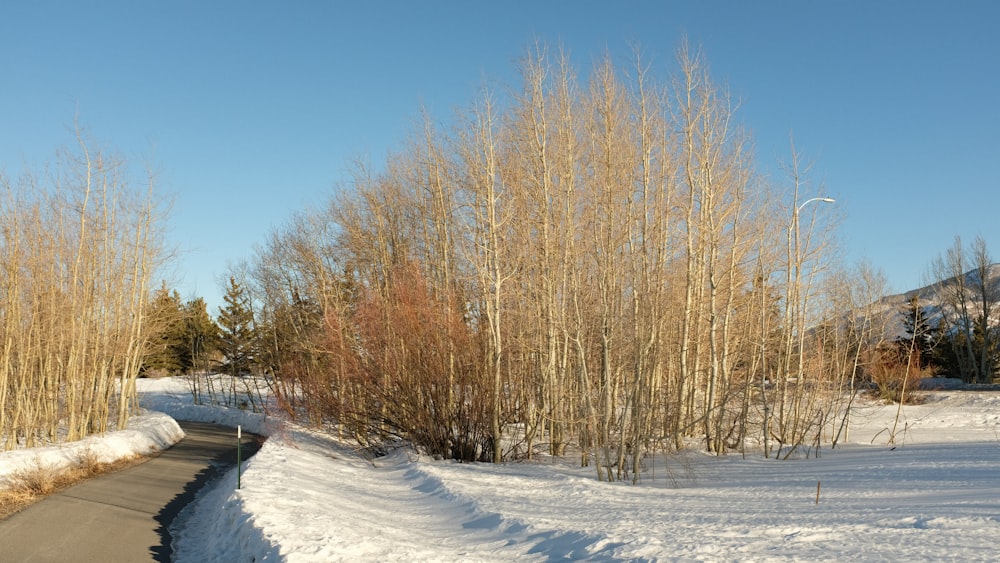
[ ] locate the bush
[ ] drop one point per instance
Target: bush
(894, 374)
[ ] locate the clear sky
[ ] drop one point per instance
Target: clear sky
(253, 110)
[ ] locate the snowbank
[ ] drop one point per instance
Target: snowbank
(932, 494)
(144, 434)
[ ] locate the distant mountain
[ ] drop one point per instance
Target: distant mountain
(933, 297)
(932, 292)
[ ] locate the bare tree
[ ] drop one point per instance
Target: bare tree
(970, 292)
(858, 323)
(986, 288)
(490, 222)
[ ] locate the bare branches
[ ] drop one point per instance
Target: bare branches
(590, 264)
(80, 247)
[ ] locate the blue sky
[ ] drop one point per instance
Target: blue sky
(251, 110)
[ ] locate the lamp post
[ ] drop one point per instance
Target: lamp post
(798, 257)
(794, 315)
(795, 225)
(797, 252)
(804, 203)
(799, 311)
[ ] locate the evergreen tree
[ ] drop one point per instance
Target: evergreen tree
(201, 336)
(948, 354)
(919, 335)
(293, 331)
(166, 317)
(237, 333)
(953, 360)
(984, 342)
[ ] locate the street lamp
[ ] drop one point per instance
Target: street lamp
(794, 311)
(795, 233)
(804, 203)
(798, 261)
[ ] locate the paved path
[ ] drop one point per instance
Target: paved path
(123, 516)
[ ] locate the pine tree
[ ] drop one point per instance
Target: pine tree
(201, 336)
(237, 333)
(919, 335)
(167, 341)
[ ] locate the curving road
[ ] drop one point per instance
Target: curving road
(123, 516)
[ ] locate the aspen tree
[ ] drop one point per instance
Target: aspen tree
(806, 241)
(657, 145)
(490, 221)
(609, 196)
(533, 133)
(648, 248)
(689, 112)
(428, 173)
(986, 288)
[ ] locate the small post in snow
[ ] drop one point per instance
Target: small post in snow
(239, 446)
(817, 491)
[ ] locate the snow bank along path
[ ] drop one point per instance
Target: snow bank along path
(934, 495)
(145, 434)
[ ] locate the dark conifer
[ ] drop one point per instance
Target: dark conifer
(237, 333)
(201, 336)
(919, 335)
(167, 341)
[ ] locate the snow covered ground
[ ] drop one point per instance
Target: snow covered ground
(934, 495)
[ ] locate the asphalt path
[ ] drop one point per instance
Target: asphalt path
(123, 516)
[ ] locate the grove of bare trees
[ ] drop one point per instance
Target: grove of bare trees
(79, 243)
(576, 264)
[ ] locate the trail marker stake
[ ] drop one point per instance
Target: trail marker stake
(239, 447)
